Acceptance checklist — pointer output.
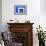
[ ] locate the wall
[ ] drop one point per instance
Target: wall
(34, 14)
(0, 15)
(43, 6)
(8, 10)
(43, 14)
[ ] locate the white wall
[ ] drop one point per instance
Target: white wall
(34, 14)
(43, 6)
(8, 10)
(43, 14)
(0, 15)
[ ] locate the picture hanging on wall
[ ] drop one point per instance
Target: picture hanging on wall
(20, 9)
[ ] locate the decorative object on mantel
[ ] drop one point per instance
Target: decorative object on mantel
(41, 36)
(11, 20)
(27, 21)
(14, 21)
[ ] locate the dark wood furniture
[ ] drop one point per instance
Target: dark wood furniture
(22, 33)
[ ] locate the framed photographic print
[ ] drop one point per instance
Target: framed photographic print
(20, 9)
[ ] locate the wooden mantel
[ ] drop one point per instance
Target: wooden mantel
(23, 27)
